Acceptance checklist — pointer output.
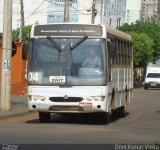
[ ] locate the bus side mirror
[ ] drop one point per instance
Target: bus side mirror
(25, 49)
(14, 48)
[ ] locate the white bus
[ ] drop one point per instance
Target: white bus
(58, 82)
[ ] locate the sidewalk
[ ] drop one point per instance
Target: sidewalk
(19, 106)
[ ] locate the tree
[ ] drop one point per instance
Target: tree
(150, 29)
(25, 32)
(142, 49)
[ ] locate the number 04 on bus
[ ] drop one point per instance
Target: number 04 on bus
(79, 68)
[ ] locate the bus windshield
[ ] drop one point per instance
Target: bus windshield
(67, 62)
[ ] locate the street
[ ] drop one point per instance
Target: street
(141, 125)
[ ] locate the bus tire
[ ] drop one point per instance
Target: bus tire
(105, 118)
(44, 117)
(121, 112)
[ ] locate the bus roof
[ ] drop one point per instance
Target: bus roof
(118, 33)
(74, 30)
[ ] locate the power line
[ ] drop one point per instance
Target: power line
(79, 11)
(102, 16)
(35, 10)
(49, 6)
(62, 5)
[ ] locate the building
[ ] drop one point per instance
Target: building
(114, 12)
(133, 11)
(51, 11)
(158, 11)
(149, 10)
(79, 11)
(55, 11)
(109, 12)
(118, 12)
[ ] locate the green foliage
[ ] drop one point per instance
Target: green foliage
(25, 32)
(152, 30)
(142, 49)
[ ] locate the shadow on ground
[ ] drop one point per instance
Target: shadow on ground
(89, 119)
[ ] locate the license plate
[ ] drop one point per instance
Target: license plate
(153, 84)
(85, 104)
(57, 79)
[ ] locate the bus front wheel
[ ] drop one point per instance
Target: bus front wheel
(105, 118)
(44, 117)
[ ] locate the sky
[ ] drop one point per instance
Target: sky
(29, 7)
(31, 17)
(40, 15)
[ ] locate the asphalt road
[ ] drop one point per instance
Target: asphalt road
(141, 125)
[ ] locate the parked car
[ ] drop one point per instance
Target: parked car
(152, 79)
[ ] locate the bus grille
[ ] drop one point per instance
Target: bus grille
(62, 99)
(65, 108)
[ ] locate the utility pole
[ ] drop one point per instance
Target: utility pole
(22, 13)
(6, 57)
(158, 12)
(110, 22)
(66, 11)
(94, 12)
(21, 20)
(128, 15)
(147, 13)
(102, 10)
(20, 31)
(118, 22)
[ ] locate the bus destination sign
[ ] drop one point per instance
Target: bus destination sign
(67, 30)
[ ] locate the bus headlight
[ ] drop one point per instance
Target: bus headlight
(29, 98)
(35, 98)
(40, 98)
(95, 98)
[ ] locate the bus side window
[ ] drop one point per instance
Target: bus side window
(112, 47)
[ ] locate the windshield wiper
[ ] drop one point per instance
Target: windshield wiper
(54, 43)
(79, 42)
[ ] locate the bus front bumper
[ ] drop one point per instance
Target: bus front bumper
(75, 107)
